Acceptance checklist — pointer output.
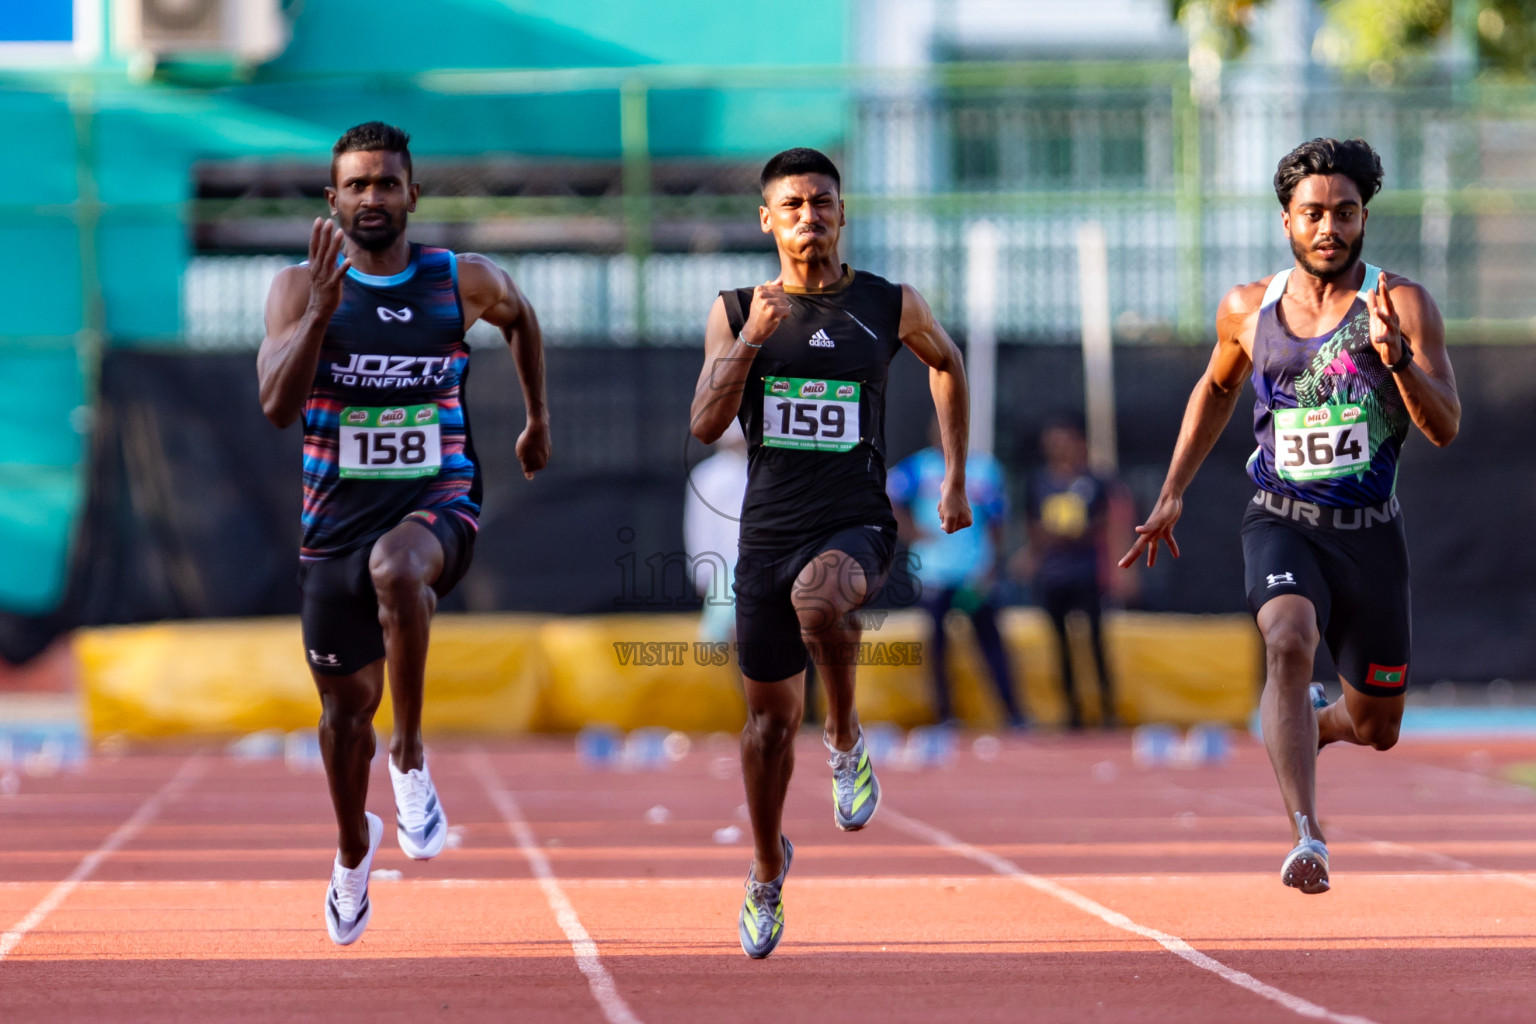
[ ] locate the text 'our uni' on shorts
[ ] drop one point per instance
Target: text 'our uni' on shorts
(340, 611)
(768, 643)
(1352, 564)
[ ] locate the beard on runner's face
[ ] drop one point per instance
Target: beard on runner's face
(375, 230)
(1323, 271)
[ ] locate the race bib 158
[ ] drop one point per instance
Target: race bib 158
(1321, 442)
(815, 415)
(390, 442)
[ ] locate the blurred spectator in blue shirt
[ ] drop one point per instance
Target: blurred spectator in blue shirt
(1067, 509)
(957, 571)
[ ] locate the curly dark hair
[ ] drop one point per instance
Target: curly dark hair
(373, 136)
(1353, 158)
(799, 161)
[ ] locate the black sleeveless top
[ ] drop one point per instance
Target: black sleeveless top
(385, 429)
(813, 411)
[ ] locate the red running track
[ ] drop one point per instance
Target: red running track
(1055, 882)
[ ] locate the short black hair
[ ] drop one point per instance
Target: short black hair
(1353, 158)
(799, 161)
(373, 136)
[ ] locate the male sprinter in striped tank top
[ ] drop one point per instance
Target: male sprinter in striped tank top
(1344, 358)
(366, 342)
(801, 362)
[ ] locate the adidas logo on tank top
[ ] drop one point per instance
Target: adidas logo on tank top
(821, 340)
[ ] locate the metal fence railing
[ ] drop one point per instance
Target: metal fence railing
(1180, 183)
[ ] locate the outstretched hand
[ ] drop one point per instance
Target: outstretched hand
(1157, 528)
(1386, 329)
(326, 274)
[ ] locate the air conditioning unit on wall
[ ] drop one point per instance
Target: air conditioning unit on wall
(249, 30)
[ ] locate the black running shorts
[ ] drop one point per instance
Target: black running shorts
(768, 642)
(340, 611)
(1352, 564)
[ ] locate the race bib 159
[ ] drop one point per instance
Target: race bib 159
(816, 415)
(1321, 442)
(390, 442)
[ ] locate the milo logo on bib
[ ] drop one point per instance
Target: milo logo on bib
(392, 418)
(357, 416)
(811, 415)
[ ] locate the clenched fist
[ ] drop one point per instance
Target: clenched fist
(770, 306)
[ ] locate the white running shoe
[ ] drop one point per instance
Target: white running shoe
(346, 899)
(1306, 867)
(421, 826)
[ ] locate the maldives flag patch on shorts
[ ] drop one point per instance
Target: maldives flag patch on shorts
(1387, 675)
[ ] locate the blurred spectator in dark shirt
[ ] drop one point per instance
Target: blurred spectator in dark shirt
(1068, 508)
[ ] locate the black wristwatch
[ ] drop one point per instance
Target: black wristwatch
(1404, 359)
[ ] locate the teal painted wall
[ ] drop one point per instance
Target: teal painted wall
(743, 32)
(383, 43)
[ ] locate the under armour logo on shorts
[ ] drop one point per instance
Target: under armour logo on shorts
(328, 660)
(1280, 579)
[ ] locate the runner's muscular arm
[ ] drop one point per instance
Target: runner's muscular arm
(489, 293)
(299, 307)
(728, 359)
(927, 339)
(1205, 417)
(1402, 309)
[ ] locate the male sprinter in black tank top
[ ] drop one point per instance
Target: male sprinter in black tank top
(802, 362)
(370, 350)
(1344, 358)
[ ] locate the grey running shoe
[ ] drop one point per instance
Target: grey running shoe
(1306, 867)
(420, 825)
(347, 909)
(762, 912)
(855, 790)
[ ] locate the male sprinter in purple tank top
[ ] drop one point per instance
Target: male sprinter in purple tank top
(1344, 358)
(366, 342)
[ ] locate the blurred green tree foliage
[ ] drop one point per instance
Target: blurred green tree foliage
(1377, 37)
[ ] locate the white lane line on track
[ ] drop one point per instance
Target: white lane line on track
(125, 832)
(614, 1008)
(1385, 847)
(1172, 943)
